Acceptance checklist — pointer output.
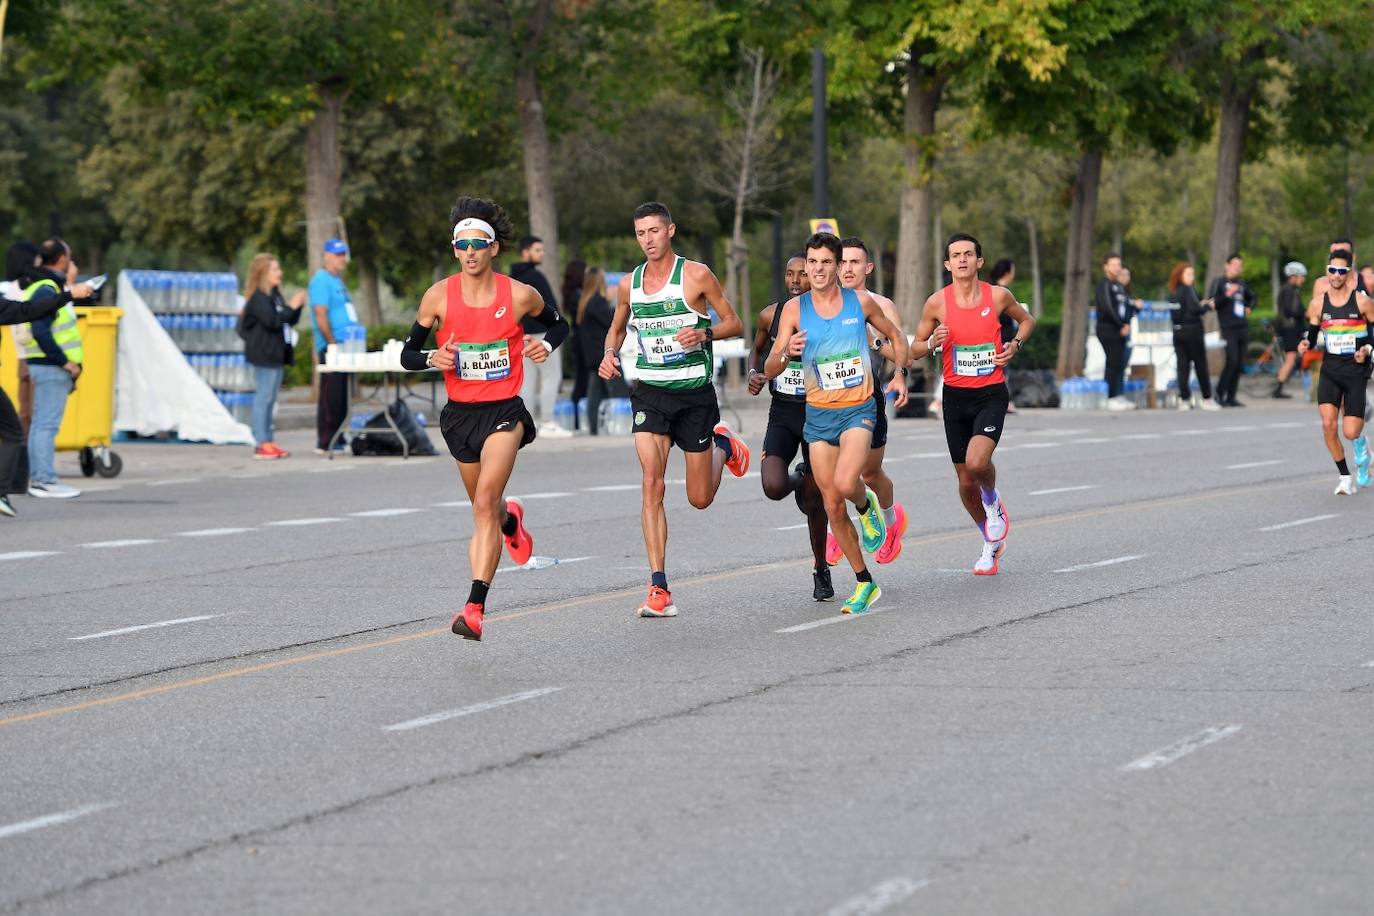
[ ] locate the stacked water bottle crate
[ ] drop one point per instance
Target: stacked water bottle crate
(199, 311)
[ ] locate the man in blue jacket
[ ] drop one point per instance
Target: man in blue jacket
(332, 317)
(55, 355)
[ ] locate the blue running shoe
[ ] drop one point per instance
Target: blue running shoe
(1362, 477)
(872, 525)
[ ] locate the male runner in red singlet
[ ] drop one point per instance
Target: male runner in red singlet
(963, 321)
(481, 351)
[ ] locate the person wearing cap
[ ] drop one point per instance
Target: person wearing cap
(542, 380)
(1289, 318)
(331, 314)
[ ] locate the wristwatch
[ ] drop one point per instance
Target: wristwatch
(710, 333)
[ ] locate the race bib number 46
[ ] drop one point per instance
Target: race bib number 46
(484, 362)
(840, 370)
(974, 360)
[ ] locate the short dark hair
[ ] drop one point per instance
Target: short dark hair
(854, 241)
(52, 251)
(1000, 269)
(1363, 267)
(489, 211)
(963, 237)
(653, 208)
(827, 241)
(529, 241)
(1110, 255)
(19, 260)
(1234, 256)
(1344, 243)
(1342, 254)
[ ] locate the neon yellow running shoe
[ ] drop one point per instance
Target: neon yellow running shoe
(872, 525)
(866, 594)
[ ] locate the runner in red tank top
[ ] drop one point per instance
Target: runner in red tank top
(962, 322)
(481, 351)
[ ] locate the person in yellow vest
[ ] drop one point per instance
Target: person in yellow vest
(54, 355)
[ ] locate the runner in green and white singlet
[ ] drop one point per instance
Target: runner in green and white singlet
(667, 299)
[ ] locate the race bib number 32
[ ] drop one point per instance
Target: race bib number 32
(840, 370)
(484, 362)
(974, 360)
(792, 381)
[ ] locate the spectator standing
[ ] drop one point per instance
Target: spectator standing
(1234, 301)
(573, 276)
(1290, 319)
(332, 317)
(265, 329)
(1114, 305)
(54, 354)
(1190, 347)
(542, 380)
(1003, 274)
(594, 315)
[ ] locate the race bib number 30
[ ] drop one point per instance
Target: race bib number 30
(840, 370)
(484, 362)
(974, 360)
(792, 381)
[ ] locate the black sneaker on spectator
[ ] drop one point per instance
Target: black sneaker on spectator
(6, 508)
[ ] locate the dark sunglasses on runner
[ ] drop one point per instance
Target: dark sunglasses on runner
(1338, 271)
(471, 244)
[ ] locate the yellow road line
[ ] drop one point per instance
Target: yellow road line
(593, 599)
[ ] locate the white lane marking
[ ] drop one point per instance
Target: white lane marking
(611, 488)
(290, 522)
(28, 554)
(212, 532)
(544, 563)
(1167, 755)
(1235, 429)
(1112, 562)
(550, 495)
(1369, 664)
(435, 718)
(1288, 425)
(1086, 486)
(382, 513)
(1089, 441)
(52, 820)
(1255, 464)
(455, 504)
(1059, 432)
(792, 527)
(929, 454)
(1143, 436)
(880, 897)
(407, 462)
(1300, 521)
(171, 481)
(146, 626)
(330, 468)
(1190, 432)
(1038, 444)
(127, 542)
(826, 621)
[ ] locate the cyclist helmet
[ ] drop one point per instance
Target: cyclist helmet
(1294, 269)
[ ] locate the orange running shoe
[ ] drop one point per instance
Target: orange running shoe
(467, 623)
(658, 604)
(833, 553)
(738, 462)
(519, 545)
(892, 544)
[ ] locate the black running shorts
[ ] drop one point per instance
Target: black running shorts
(1343, 386)
(784, 435)
(880, 427)
(689, 416)
(970, 412)
(467, 426)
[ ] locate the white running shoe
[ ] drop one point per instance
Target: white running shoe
(995, 528)
(52, 490)
(1184, 405)
(1346, 487)
(1120, 402)
(554, 431)
(1209, 404)
(987, 563)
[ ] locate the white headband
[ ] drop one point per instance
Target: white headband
(473, 223)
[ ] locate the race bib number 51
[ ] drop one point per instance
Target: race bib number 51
(840, 370)
(974, 360)
(484, 362)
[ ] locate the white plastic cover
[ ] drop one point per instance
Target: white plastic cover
(156, 390)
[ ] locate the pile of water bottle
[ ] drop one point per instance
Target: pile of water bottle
(223, 371)
(184, 291)
(1155, 320)
(1083, 394)
(614, 418)
(238, 403)
(202, 333)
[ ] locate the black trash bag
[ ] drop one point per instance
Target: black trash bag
(1034, 388)
(385, 443)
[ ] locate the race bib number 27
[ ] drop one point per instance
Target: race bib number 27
(840, 370)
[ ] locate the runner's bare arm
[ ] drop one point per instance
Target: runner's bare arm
(1025, 325)
(413, 356)
(698, 284)
(788, 327)
(930, 329)
(528, 303)
(890, 310)
(758, 353)
(889, 329)
(610, 361)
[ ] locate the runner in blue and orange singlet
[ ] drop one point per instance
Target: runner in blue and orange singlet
(828, 328)
(963, 323)
(481, 350)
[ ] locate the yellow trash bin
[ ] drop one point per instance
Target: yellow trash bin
(88, 424)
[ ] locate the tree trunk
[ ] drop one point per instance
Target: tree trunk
(706, 248)
(914, 243)
(534, 137)
(1073, 335)
(323, 174)
(878, 285)
(1118, 214)
(937, 235)
(1037, 284)
(369, 290)
(1235, 121)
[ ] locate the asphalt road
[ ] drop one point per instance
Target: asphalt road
(230, 688)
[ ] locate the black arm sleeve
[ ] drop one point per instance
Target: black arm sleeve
(1312, 330)
(13, 311)
(556, 330)
(412, 356)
